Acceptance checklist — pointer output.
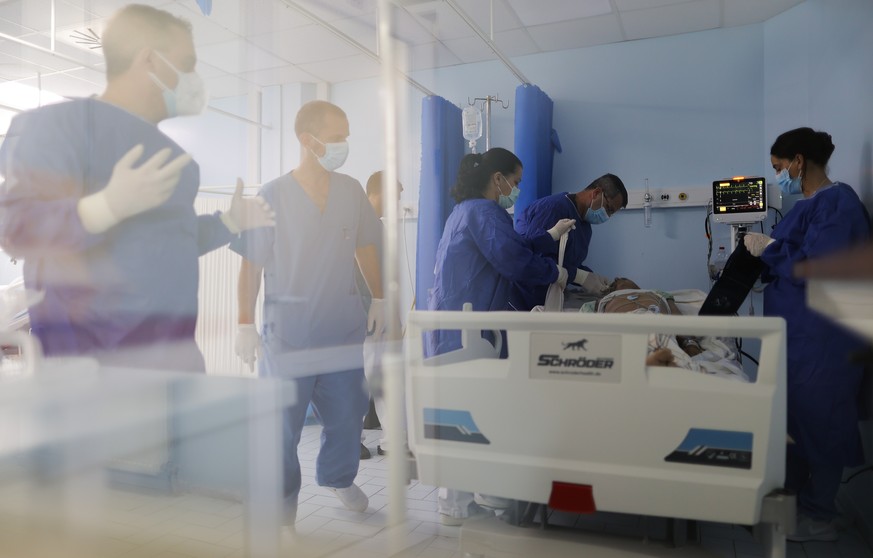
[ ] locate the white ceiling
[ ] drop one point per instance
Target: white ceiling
(246, 44)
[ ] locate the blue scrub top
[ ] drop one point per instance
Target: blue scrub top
(822, 385)
(479, 257)
(135, 284)
(311, 298)
(538, 217)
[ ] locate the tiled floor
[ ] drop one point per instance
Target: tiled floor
(195, 526)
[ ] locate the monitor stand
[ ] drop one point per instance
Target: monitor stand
(737, 232)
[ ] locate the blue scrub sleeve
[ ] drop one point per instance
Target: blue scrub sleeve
(509, 252)
(212, 233)
(542, 243)
(255, 245)
(44, 180)
(827, 232)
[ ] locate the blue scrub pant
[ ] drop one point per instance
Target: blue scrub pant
(340, 401)
(816, 485)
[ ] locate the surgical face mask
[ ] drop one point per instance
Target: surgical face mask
(189, 96)
(335, 154)
(597, 216)
(789, 186)
(508, 201)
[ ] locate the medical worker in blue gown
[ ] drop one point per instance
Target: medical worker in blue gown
(823, 384)
(593, 205)
(314, 319)
(98, 202)
(479, 256)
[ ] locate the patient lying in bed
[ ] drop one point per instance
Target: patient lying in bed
(705, 354)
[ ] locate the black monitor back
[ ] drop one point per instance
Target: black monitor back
(732, 287)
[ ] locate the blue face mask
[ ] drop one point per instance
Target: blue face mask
(508, 201)
(789, 186)
(597, 216)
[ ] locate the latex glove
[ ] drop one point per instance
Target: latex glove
(561, 227)
(562, 277)
(247, 213)
(756, 243)
(376, 318)
(131, 191)
(248, 344)
(592, 282)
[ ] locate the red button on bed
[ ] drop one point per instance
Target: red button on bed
(569, 497)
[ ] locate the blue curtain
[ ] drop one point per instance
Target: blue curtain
(442, 147)
(535, 143)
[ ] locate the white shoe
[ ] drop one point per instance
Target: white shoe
(808, 529)
(352, 497)
(491, 502)
(475, 512)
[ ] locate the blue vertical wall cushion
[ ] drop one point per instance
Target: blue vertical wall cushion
(535, 143)
(442, 147)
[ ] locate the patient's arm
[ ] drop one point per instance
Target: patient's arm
(690, 345)
(660, 357)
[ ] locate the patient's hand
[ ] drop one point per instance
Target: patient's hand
(690, 345)
(660, 357)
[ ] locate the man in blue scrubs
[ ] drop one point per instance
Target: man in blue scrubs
(98, 202)
(314, 320)
(594, 205)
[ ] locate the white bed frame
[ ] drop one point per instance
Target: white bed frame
(530, 427)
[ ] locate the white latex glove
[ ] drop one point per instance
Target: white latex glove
(247, 213)
(592, 282)
(130, 190)
(376, 318)
(248, 344)
(756, 243)
(561, 227)
(562, 277)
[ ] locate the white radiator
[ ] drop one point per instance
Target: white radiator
(217, 306)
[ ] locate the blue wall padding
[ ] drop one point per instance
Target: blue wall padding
(442, 147)
(535, 143)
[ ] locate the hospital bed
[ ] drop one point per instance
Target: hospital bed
(574, 418)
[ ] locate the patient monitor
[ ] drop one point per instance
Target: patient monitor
(739, 200)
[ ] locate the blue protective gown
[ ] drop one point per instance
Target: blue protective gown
(538, 217)
(479, 257)
(822, 385)
(134, 285)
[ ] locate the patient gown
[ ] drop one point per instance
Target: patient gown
(134, 285)
(823, 385)
(478, 258)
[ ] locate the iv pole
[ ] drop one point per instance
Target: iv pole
(487, 101)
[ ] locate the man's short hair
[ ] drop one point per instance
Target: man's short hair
(310, 117)
(611, 186)
(134, 28)
(374, 184)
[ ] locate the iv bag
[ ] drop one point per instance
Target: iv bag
(472, 123)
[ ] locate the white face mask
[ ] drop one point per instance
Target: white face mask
(335, 154)
(189, 96)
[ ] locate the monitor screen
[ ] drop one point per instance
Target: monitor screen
(742, 199)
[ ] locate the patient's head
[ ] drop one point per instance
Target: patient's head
(621, 283)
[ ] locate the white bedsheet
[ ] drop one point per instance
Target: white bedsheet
(717, 358)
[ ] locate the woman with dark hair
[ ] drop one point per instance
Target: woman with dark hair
(479, 257)
(823, 385)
